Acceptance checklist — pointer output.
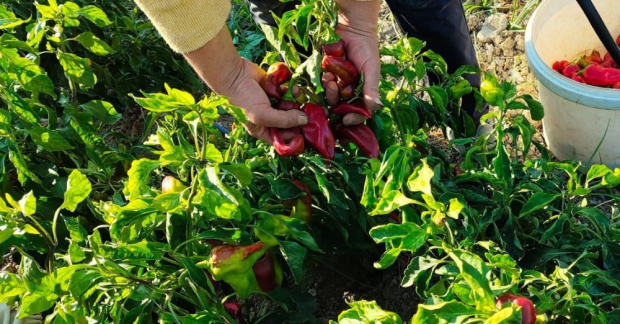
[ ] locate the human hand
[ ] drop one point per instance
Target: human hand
(227, 74)
(357, 26)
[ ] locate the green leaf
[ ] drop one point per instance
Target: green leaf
(18, 160)
(28, 204)
(240, 171)
(10, 286)
(75, 253)
(94, 44)
(212, 154)
(455, 208)
(78, 189)
(388, 232)
(95, 15)
(50, 140)
(82, 281)
(443, 312)
(139, 176)
(420, 179)
(333, 195)
(597, 171)
(612, 180)
(475, 271)
(538, 201)
(37, 301)
(103, 110)
(439, 96)
(19, 106)
(364, 312)
(167, 202)
(77, 232)
(143, 251)
(187, 99)
(196, 274)
(418, 266)
(236, 112)
(537, 111)
(8, 19)
(294, 255)
(501, 164)
(501, 317)
(47, 12)
(77, 70)
(387, 259)
(389, 202)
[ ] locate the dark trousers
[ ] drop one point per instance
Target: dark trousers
(440, 23)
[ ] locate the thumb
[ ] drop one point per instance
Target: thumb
(270, 117)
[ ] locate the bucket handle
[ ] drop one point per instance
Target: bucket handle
(601, 30)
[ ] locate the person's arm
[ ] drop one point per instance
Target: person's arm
(196, 28)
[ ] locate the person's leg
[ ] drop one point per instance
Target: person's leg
(262, 10)
(442, 25)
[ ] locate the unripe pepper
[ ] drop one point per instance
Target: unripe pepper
(357, 107)
(335, 49)
(268, 272)
(171, 184)
(343, 69)
(287, 142)
(599, 76)
(317, 132)
(233, 264)
(303, 205)
(361, 135)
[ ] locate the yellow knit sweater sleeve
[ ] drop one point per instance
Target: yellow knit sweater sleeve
(187, 25)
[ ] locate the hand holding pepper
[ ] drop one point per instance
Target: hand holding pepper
(357, 26)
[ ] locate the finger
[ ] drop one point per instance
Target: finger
(331, 93)
(296, 91)
(371, 86)
(261, 133)
(327, 77)
(269, 117)
(353, 119)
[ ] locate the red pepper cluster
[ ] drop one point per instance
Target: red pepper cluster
(592, 70)
(318, 133)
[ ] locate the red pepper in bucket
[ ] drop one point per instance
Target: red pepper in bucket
(600, 76)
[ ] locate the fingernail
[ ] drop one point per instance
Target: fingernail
(378, 102)
(303, 119)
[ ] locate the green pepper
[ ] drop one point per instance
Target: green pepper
(233, 265)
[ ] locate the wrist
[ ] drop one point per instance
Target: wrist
(218, 63)
(362, 16)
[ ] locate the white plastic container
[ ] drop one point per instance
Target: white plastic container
(576, 115)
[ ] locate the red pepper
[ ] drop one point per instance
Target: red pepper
(343, 69)
(287, 105)
(528, 312)
(560, 65)
(303, 205)
(579, 79)
(267, 272)
(287, 142)
(616, 85)
(394, 216)
(357, 107)
(361, 135)
(317, 132)
(336, 49)
(600, 76)
(609, 62)
(234, 310)
(571, 70)
(347, 92)
(277, 74)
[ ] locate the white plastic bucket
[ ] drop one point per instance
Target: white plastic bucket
(576, 115)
